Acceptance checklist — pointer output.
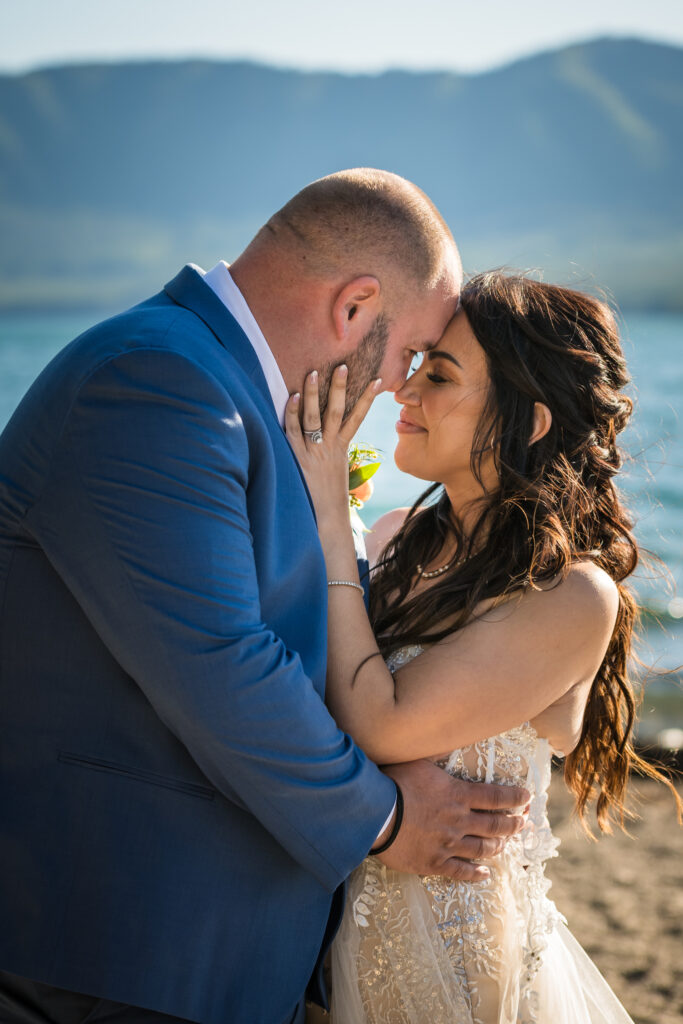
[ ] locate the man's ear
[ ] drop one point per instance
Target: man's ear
(356, 307)
(543, 419)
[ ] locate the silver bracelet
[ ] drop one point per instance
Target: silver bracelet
(345, 583)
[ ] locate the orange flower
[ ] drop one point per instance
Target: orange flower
(364, 492)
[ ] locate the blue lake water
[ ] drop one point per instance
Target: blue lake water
(652, 481)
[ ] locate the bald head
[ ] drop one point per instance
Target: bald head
(358, 268)
(369, 221)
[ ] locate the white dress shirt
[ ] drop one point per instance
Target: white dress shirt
(221, 283)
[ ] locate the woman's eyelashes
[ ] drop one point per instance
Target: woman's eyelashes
(436, 378)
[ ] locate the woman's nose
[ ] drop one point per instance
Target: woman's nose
(407, 394)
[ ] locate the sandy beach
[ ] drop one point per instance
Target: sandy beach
(623, 900)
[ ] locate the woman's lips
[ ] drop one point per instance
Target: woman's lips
(405, 425)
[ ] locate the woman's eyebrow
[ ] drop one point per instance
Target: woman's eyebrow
(434, 353)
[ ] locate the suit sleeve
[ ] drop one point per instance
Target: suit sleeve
(144, 517)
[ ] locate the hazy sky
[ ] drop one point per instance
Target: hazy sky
(352, 35)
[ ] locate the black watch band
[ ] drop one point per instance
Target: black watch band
(398, 821)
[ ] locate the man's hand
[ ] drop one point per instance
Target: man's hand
(443, 828)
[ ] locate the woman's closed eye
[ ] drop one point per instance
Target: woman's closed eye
(436, 378)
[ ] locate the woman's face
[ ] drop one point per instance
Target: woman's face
(442, 403)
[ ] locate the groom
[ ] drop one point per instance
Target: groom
(178, 809)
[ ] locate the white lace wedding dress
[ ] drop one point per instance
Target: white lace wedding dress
(428, 950)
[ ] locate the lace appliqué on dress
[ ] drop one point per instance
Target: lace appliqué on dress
(414, 949)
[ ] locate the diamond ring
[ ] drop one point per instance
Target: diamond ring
(314, 436)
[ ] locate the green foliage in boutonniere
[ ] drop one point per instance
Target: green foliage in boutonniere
(364, 462)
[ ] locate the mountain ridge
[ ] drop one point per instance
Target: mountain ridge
(114, 174)
(537, 55)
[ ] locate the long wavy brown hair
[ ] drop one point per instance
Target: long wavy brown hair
(555, 502)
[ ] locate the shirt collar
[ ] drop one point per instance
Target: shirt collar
(221, 283)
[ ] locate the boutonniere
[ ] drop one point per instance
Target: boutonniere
(364, 462)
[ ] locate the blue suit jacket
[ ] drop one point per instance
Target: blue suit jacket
(177, 806)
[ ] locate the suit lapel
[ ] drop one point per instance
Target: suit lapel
(187, 289)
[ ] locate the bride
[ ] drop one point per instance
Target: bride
(504, 627)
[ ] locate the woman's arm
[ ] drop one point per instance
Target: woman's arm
(504, 668)
(507, 667)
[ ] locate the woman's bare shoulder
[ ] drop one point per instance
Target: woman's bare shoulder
(592, 597)
(594, 589)
(582, 604)
(585, 590)
(382, 531)
(568, 620)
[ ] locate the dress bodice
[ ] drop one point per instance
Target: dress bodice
(493, 933)
(516, 757)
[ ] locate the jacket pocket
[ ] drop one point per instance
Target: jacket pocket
(140, 774)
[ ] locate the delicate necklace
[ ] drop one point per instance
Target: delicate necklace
(436, 572)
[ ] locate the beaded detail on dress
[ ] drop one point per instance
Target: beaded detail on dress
(413, 949)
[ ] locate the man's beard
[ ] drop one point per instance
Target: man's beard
(364, 365)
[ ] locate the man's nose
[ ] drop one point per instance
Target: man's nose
(396, 383)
